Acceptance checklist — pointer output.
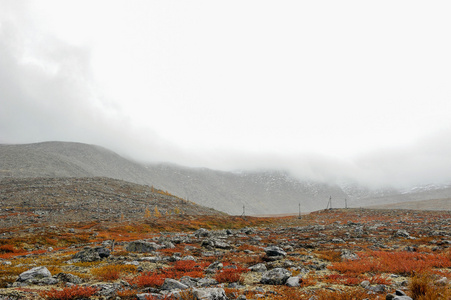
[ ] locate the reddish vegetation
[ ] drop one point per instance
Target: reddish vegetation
(403, 263)
(69, 293)
(230, 274)
(148, 279)
(314, 245)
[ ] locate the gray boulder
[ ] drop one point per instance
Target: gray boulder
(209, 294)
(276, 276)
(189, 281)
(402, 233)
(294, 281)
(260, 268)
(172, 284)
(399, 295)
(201, 232)
(146, 296)
(348, 255)
(215, 243)
(212, 268)
(92, 254)
(142, 246)
(65, 277)
(275, 251)
(34, 274)
(204, 282)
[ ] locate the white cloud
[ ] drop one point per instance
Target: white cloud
(326, 89)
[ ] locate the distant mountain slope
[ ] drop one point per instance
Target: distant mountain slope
(434, 204)
(415, 195)
(259, 192)
(270, 192)
(65, 159)
(32, 200)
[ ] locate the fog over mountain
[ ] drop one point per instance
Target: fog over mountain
(317, 115)
(255, 192)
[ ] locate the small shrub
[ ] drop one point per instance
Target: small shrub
(422, 287)
(69, 293)
(229, 275)
(8, 249)
(148, 280)
(330, 255)
(127, 294)
(112, 272)
(351, 294)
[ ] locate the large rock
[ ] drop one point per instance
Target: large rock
(172, 284)
(276, 276)
(66, 277)
(402, 233)
(201, 232)
(275, 251)
(260, 268)
(399, 295)
(215, 243)
(34, 274)
(92, 254)
(294, 281)
(209, 294)
(142, 246)
(212, 268)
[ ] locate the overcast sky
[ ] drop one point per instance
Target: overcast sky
(330, 90)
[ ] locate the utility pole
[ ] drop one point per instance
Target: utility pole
(346, 203)
(329, 204)
(300, 211)
(244, 210)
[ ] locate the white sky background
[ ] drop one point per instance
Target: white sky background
(328, 89)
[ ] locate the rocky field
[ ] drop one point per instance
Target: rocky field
(332, 254)
(57, 200)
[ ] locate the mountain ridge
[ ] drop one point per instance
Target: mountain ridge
(249, 192)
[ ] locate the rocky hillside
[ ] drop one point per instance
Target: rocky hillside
(259, 192)
(33, 200)
(265, 192)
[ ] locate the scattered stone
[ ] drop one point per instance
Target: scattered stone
(348, 255)
(294, 281)
(402, 233)
(277, 276)
(209, 294)
(205, 282)
(212, 268)
(189, 281)
(275, 251)
(91, 254)
(142, 246)
(201, 232)
(214, 243)
(260, 268)
(34, 274)
(442, 281)
(399, 295)
(65, 277)
(172, 284)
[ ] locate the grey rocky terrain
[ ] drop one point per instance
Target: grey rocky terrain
(262, 192)
(57, 200)
(293, 254)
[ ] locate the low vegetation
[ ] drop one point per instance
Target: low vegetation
(337, 254)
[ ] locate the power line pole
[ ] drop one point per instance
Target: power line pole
(329, 204)
(300, 211)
